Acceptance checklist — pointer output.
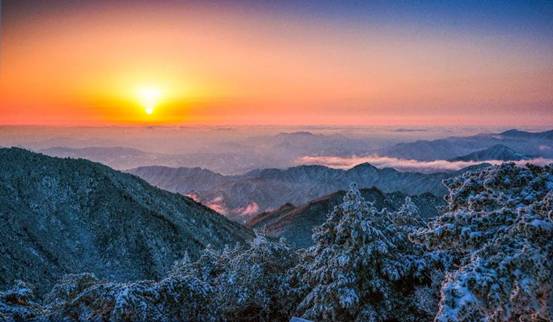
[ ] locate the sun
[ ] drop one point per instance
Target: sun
(149, 98)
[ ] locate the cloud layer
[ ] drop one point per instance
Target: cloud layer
(403, 164)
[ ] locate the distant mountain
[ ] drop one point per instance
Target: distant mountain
(99, 152)
(296, 223)
(122, 158)
(114, 156)
(496, 152)
(66, 216)
(183, 180)
(229, 156)
(547, 135)
(297, 144)
(268, 189)
(539, 144)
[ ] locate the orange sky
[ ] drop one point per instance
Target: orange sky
(85, 65)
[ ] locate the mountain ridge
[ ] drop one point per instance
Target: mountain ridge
(496, 152)
(270, 188)
(527, 143)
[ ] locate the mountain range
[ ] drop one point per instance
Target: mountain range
(538, 144)
(240, 197)
(296, 223)
(497, 152)
(64, 216)
(229, 156)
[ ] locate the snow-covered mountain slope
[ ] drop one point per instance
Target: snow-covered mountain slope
(65, 216)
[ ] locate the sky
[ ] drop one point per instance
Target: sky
(104, 63)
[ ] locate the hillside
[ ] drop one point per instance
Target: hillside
(296, 223)
(65, 216)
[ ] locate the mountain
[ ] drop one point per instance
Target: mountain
(296, 223)
(301, 143)
(538, 144)
(66, 216)
(239, 197)
(97, 152)
(496, 152)
(114, 156)
(122, 158)
(228, 154)
(184, 180)
(547, 135)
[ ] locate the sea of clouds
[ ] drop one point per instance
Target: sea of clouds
(339, 162)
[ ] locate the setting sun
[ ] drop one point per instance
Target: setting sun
(149, 98)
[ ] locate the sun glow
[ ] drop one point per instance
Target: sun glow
(149, 98)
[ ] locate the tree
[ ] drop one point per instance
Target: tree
(499, 226)
(249, 283)
(242, 283)
(363, 266)
(18, 303)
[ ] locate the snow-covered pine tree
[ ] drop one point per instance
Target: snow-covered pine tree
(407, 217)
(242, 283)
(499, 225)
(363, 266)
(175, 298)
(18, 303)
(248, 283)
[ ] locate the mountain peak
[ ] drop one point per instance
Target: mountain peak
(363, 166)
(513, 132)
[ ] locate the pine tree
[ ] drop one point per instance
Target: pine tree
(18, 303)
(249, 283)
(499, 226)
(362, 267)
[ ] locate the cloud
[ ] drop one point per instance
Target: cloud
(251, 208)
(217, 204)
(403, 164)
(194, 196)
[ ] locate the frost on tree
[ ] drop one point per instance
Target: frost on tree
(18, 303)
(237, 284)
(499, 225)
(83, 297)
(249, 284)
(363, 267)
